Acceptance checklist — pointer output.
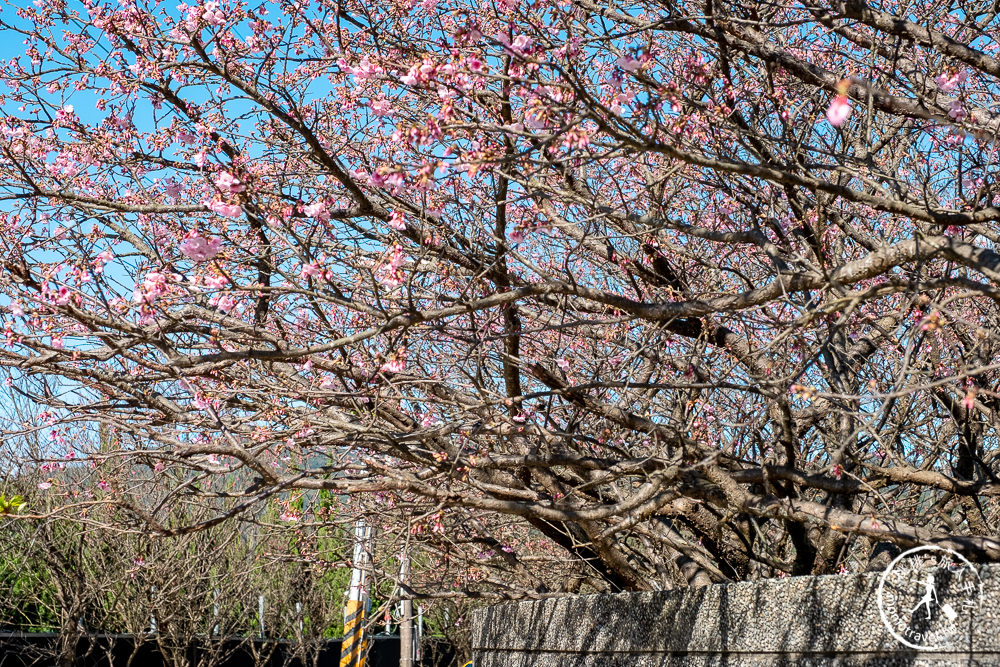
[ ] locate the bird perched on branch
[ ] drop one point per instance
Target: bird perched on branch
(663, 273)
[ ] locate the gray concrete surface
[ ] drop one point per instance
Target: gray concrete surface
(831, 620)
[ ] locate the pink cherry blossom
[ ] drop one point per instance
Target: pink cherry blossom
(521, 45)
(365, 70)
(391, 273)
(200, 401)
(99, 262)
(153, 286)
(839, 110)
(957, 111)
(229, 184)
(397, 220)
(947, 81)
(200, 248)
(222, 208)
(317, 210)
(381, 107)
(312, 269)
(396, 363)
(64, 296)
(212, 14)
(223, 302)
(475, 63)
(629, 64)
(216, 282)
(66, 113)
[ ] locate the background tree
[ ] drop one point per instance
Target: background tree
(566, 296)
(194, 597)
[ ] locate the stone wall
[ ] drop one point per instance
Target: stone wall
(798, 621)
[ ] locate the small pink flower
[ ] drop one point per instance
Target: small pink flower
(199, 248)
(290, 516)
(563, 364)
(212, 14)
(200, 401)
(956, 111)
(65, 296)
(173, 189)
(629, 64)
(223, 302)
(969, 401)
(381, 107)
(311, 270)
(396, 363)
(948, 81)
(216, 282)
(317, 210)
(229, 184)
(102, 485)
(44, 486)
(839, 110)
(391, 274)
(222, 208)
(476, 64)
(521, 45)
(397, 221)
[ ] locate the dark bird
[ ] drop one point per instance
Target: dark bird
(662, 273)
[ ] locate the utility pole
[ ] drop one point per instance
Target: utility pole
(407, 645)
(352, 650)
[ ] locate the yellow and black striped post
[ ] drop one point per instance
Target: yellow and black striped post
(352, 650)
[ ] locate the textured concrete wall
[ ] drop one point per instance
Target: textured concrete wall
(797, 621)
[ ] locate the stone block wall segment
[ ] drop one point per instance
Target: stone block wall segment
(829, 620)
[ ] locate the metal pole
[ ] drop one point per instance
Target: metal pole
(152, 616)
(260, 614)
(420, 631)
(352, 653)
(406, 634)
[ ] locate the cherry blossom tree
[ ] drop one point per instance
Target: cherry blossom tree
(560, 295)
